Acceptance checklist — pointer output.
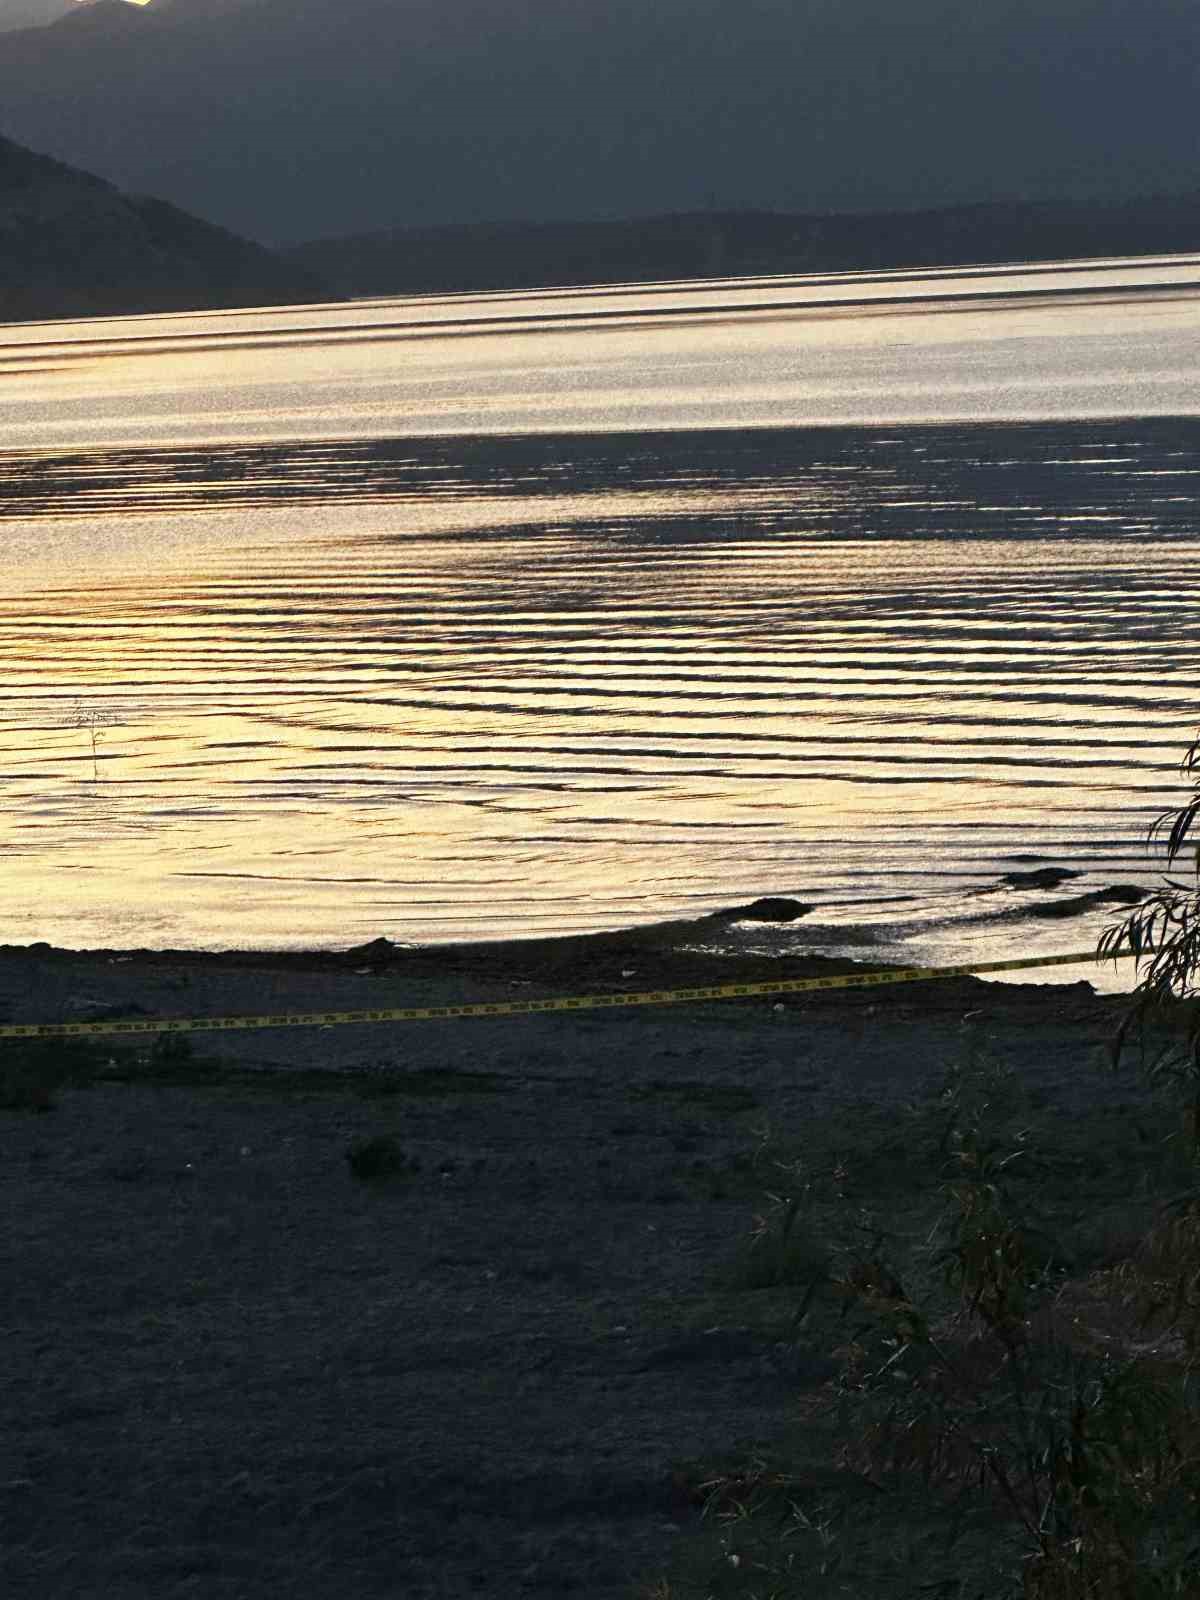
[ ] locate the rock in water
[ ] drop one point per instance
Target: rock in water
(377, 950)
(1041, 878)
(770, 908)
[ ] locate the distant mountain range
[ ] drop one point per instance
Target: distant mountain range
(31, 13)
(16, 14)
(73, 245)
(702, 244)
(294, 119)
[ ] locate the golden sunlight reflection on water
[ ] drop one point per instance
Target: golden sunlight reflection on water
(1116, 339)
(527, 713)
(467, 686)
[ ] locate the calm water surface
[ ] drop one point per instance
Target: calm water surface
(503, 615)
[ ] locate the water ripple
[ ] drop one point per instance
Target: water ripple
(457, 687)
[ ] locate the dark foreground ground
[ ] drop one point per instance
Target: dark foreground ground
(232, 1367)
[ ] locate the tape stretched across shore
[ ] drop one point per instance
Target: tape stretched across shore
(522, 1008)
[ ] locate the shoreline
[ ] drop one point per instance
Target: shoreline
(752, 942)
(854, 1038)
(508, 1363)
(660, 956)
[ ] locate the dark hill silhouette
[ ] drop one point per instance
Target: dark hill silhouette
(31, 13)
(290, 119)
(529, 255)
(103, 16)
(19, 14)
(73, 245)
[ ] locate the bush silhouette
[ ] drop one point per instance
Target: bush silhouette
(1164, 935)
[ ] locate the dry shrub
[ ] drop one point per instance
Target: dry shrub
(1165, 1279)
(1082, 1434)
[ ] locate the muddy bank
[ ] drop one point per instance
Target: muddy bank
(662, 956)
(233, 1368)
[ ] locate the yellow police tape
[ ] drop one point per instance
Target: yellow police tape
(522, 1008)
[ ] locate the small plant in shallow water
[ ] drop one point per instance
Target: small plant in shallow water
(94, 720)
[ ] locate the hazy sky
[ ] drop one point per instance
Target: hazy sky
(288, 119)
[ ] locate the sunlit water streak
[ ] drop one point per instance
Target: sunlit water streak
(463, 686)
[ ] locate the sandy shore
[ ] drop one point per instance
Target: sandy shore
(231, 1368)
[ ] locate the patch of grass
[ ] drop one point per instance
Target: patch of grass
(786, 1251)
(430, 1083)
(171, 1052)
(1012, 1298)
(380, 1157)
(173, 1066)
(33, 1071)
(727, 1098)
(734, 1179)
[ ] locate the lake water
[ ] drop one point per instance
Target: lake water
(526, 613)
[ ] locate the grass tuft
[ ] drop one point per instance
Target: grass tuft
(34, 1071)
(379, 1157)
